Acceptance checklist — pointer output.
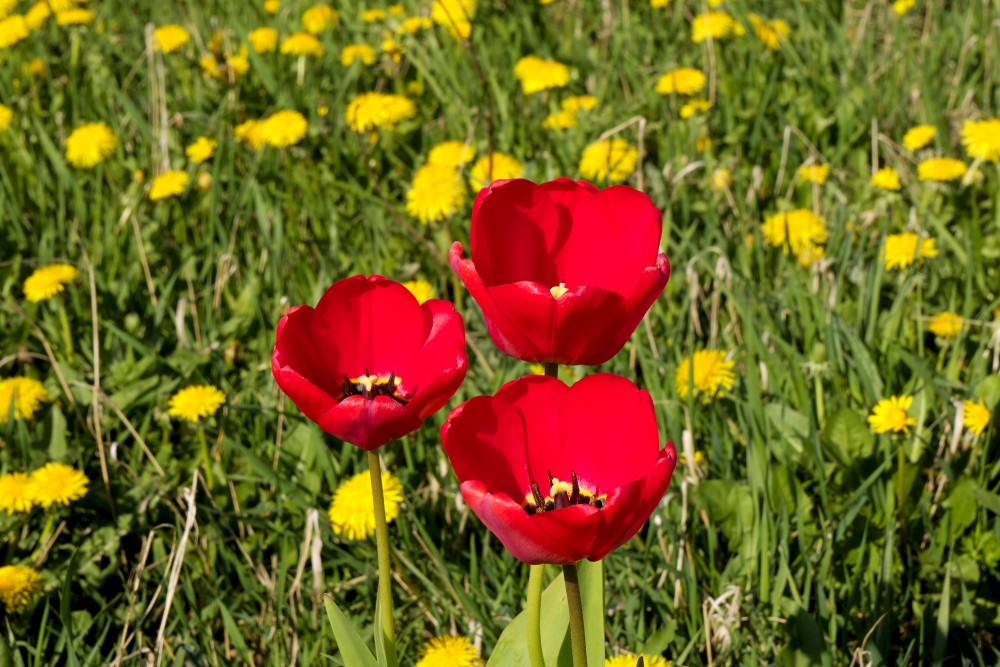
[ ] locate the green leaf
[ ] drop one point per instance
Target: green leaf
(793, 426)
(591, 577)
(847, 438)
(352, 648)
(512, 650)
(962, 506)
(990, 501)
(988, 389)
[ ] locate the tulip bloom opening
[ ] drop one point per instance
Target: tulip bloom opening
(370, 362)
(600, 434)
(562, 271)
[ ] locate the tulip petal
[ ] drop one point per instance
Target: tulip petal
(369, 423)
(484, 439)
(618, 222)
(515, 224)
(372, 324)
(298, 367)
(439, 369)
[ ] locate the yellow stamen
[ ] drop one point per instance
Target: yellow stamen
(558, 290)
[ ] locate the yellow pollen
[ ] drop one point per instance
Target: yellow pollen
(558, 290)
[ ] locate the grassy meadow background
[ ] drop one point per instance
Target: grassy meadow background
(791, 535)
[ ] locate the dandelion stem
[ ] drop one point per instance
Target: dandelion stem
(205, 459)
(534, 615)
(384, 569)
(67, 334)
(577, 634)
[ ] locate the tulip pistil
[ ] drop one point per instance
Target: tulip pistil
(371, 386)
(561, 494)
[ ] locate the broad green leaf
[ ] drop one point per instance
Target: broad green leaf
(793, 426)
(846, 437)
(512, 650)
(988, 389)
(352, 648)
(990, 501)
(591, 576)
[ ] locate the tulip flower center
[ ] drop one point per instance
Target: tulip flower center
(558, 290)
(371, 386)
(561, 494)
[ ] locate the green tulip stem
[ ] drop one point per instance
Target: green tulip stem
(576, 631)
(536, 574)
(384, 568)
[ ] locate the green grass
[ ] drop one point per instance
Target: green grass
(831, 540)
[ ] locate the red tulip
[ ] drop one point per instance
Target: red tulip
(369, 363)
(563, 271)
(560, 473)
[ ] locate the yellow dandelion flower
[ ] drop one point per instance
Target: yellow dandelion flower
(319, 18)
(37, 15)
(612, 160)
(263, 40)
(20, 398)
(981, 139)
(919, 136)
(706, 376)
(272, 6)
(976, 416)
(63, 5)
(196, 402)
(814, 173)
(12, 30)
(537, 74)
(770, 32)
(946, 324)
(886, 178)
(903, 6)
(251, 132)
(373, 15)
(704, 143)
(414, 24)
(576, 103)
(901, 250)
(421, 289)
(391, 48)
(19, 584)
(171, 37)
(90, 144)
(369, 111)
(455, 15)
(6, 117)
(716, 25)
(437, 192)
(357, 52)
(322, 110)
(941, 169)
(47, 281)
(168, 184)
(35, 68)
(56, 484)
(449, 652)
(6, 7)
(809, 255)
(302, 44)
(451, 154)
(796, 230)
(694, 107)
(890, 414)
(201, 149)
(682, 81)
(560, 120)
(284, 128)
(656, 4)
(14, 495)
(75, 16)
(722, 179)
(352, 512)
(629, 660)
(204, 180)
(494, 167)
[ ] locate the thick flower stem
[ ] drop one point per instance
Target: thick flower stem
(576, 631)
(536, 574)
(384, 570)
